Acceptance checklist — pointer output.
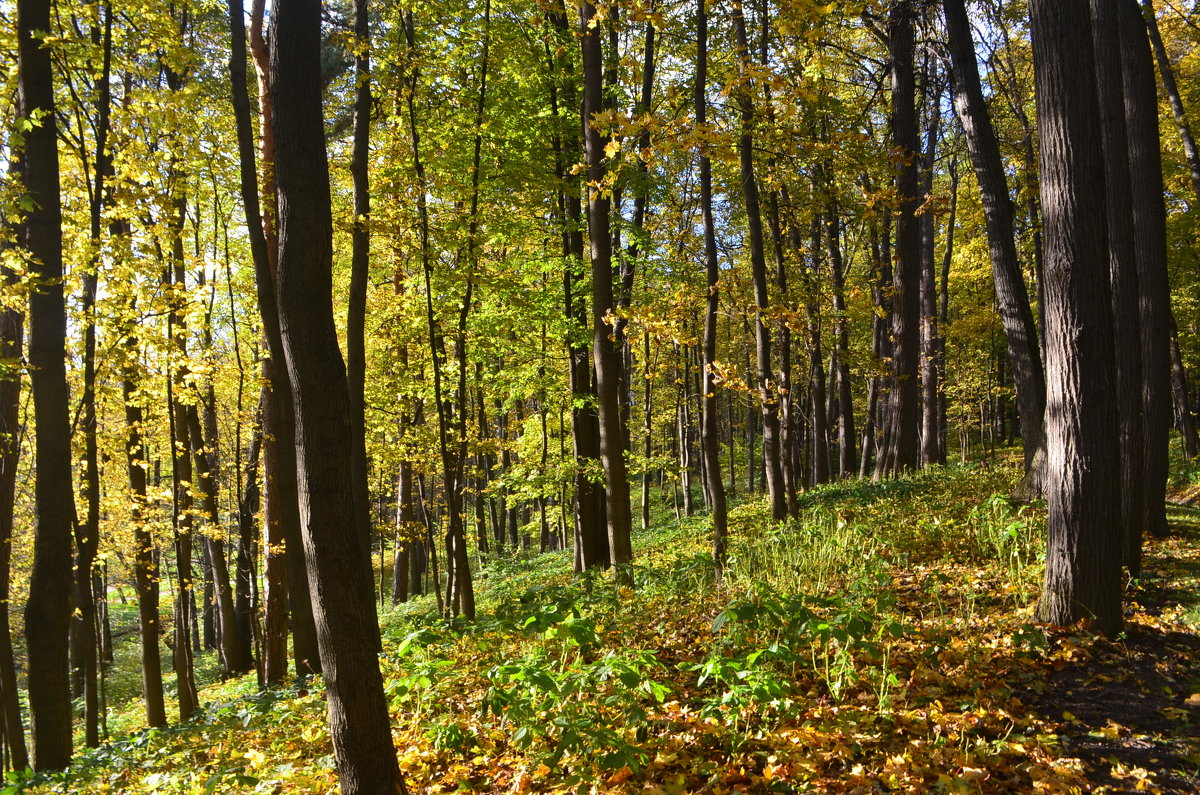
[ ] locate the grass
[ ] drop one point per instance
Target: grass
(885, 637)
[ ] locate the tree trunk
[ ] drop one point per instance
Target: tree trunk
(1011, 295)
(709, 425)
(48, 610)
(1171, 87)
(930, 387)
(360, 240)
(1083, 567)
(282, 516)
(769, 396)
(342, 601)
(899, 453)
(11, 339)
(1183, 410)
(1150, 243)
(1124, 279)
(847, 461)
(605, 355)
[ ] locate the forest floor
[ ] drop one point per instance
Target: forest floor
(885, 642)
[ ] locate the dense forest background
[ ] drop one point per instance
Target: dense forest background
(319, 313)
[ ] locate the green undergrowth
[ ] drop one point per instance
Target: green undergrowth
(573, 683)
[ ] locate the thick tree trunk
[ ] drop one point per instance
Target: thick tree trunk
(900, 451)
(1150, 243)
(1124, 279)
(1011, 295)
(281, 521)
(342, 601)
(1083, 566)
(48, 610)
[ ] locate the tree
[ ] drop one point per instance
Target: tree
(900, 448)
(48, 610)
(1011, 294)
(342, 602)
(605, 355)
(1083, 576)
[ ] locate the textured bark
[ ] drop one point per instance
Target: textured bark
(899, 452)
(1124, 278)
(1012, 298)
(710, 443)
(1150, 243)
(48, 610)
(1083, 574)
(767, 388)
(605, 354)
(342, 601)
(282, 516)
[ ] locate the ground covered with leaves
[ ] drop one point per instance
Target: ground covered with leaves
(885, 642)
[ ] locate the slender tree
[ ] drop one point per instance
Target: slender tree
(342, 601)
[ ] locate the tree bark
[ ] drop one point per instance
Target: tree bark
(48, 610)
(900, 451)
(1123, 278)
(342, 601)
(281, 521)
(1183, 410)
(1083, 574)
(1011, 295)
(768, 390)
(360, 242)
(1150, 243)
(606, 356)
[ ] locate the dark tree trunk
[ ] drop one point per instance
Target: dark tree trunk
(818, 417)
(847, 460)
(229, 639)
(1183, 410)
(1150, 244)
(899, 452)
(12, 334)
(930, 387)
(709, 425)
(606, 357)
(1083, 566)
(1124, 279)
(1171, 87)
(146, 570)
(1011, 295)
(48, 610)
(342, 601)
(360, 242)
(768, 390)
(245, 605)
(282, 516)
